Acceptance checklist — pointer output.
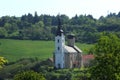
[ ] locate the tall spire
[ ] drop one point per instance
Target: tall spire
(59, 30)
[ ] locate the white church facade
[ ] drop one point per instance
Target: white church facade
(66, 56)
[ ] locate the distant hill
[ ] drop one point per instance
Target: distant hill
(33, 27)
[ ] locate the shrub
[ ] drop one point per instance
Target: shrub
(29, 75)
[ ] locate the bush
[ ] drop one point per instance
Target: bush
(29, 75)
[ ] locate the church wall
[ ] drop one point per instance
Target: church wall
(79, 59)
(71, 60)
(59, 51)
(67, 60)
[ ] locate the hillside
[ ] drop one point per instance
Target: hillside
(34, 27)
(16, 49)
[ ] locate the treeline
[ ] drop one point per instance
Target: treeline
(34, 27)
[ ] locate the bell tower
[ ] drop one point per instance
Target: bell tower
(59, 47)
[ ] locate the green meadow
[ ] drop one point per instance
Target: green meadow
(14, 50)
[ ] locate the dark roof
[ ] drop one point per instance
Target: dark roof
(70, 36)
(59, 30)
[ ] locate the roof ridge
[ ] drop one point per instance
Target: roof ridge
(76, 48)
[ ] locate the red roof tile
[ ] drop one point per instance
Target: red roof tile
(87, 57)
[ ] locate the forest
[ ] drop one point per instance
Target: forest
(43, 27)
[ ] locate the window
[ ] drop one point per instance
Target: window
(58, 48)
(58, 40)
(59, 66)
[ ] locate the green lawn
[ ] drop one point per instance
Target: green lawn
(13, 50)
(16, 49)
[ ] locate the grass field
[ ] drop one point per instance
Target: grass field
(14, 50)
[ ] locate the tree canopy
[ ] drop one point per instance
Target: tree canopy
(43, 27)
(29, 75)
(106, 65)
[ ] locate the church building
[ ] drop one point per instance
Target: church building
(66, 56)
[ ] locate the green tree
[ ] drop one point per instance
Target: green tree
(36, 18)
(10, 27)
(3, 32)
(107, 58)
(39, 24)
(108, 43)
(47, 20)
(106, 68)
(29, 75)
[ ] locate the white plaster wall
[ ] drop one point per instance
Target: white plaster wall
(59, 54)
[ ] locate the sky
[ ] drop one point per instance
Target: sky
(96, 8)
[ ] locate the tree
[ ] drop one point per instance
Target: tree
(3, 32)
(107, 60)
(29, 75)
(47, 20)
(30, 18)
(64, 19)
(36, 18)
(106, 68)
(108, 43)
(10, 27)
(74, 20)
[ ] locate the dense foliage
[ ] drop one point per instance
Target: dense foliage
(107, 60)
(43, 27)
(29, 75)
(22, 69)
